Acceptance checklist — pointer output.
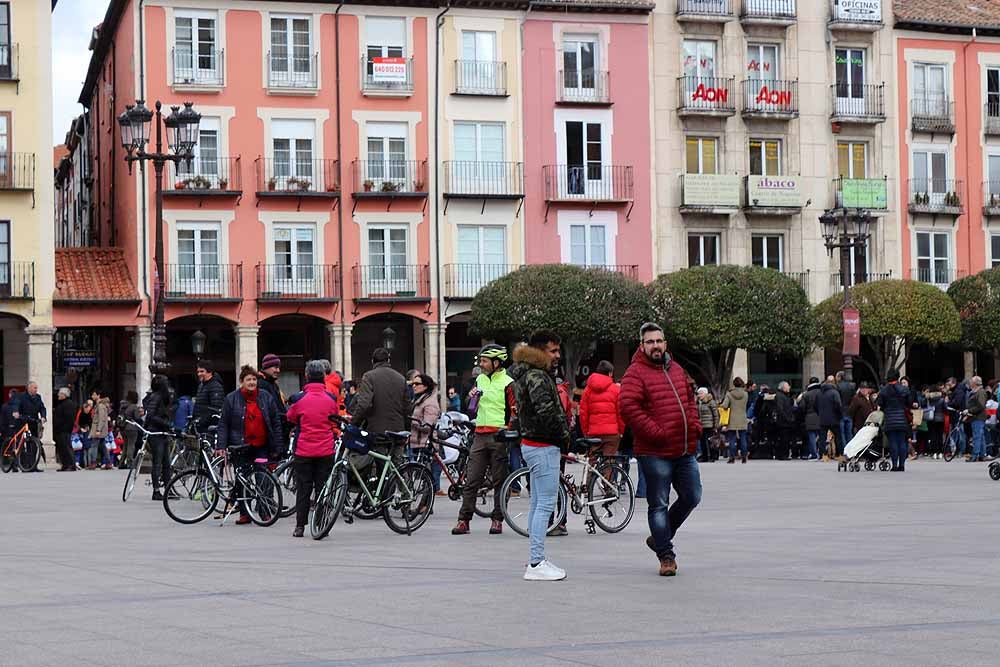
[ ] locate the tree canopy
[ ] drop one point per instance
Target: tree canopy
(977, 299)
(894, 314)
(710, 312)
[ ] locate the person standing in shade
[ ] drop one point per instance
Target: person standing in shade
(129, 410)
(63, 420)
(159, 409)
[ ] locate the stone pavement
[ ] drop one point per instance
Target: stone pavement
(783, 564)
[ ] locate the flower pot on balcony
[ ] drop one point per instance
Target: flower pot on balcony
(368, 185)
(223, 184)
(180, 185)
(304, 184)
(271, 183)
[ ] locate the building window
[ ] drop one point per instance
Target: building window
(6, 175)
(387, 155)
(197, 252)
(580, 64)
(481, 245)
(6, 60)
(699, 59)
(584, 157)
(5, 277)
(387, 252)
(479, 53)
(849, 71)
(929, 90)
(993, 185)
(994, 250)
(703, 249)
(479, 142)
(765, 157)
(852, 160)
(933, 257)
(292, 146)
(206, 153)
(294, 252)
(702, 155)
(291, 52)
(588, 245)
(930, 175)
(993, 92)
(384, 38)
(196, 52)
(762, 62)
(767, 251)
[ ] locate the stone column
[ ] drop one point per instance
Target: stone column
(143, 358)
(813, 364)
(246, 346)
(741, 365)
(434, 358)
(40, 369)
(340, 349)
(969, 364)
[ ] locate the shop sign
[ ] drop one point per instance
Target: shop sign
(711, 190)
(389, 70)
(866, 11)
(852, 332)
(705, 93)
(774, 191)
(774, 97)
(864, 193)
(79, 358)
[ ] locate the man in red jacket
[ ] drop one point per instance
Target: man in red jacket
(657, 403)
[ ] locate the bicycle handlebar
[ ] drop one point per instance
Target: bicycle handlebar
(148, 433)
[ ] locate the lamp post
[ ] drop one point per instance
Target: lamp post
(389, 338)
(182, 136)
(198, 343)
(846, 231)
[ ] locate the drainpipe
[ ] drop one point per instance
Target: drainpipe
(439, 21)
(142, 181)
(965, 91)
(348, 373)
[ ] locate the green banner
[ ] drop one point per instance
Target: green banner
(864, 193)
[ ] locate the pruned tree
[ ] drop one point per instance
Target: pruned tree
(583, 306)
(710, 312)
(977, 299)
(895, 314)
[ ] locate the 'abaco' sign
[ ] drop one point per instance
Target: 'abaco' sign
(783, 191)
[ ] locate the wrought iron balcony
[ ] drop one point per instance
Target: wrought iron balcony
(463, 281)
(591, 87)
(705, 11)
(867, 193)
(938, 274)
(630, 271)
(219, 177)
(837, 279)
(801, 277)
(932, 113)
(17, 172)
(991, 198)
(706, 96)
(298, 282)
(198, 69)
(481, 77)
(392, 283)
(483, 180)
(768, 12)
(855, 16)
(297, 178)
(289, 72)
(765, 98)
(9, 60)
(858, 103)
(609, 183)
(936, 196)
(390, 178)
(386, 77)
(203, 282)
(991, 119)
(17, 281)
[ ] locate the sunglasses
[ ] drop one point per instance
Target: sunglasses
(417, 384)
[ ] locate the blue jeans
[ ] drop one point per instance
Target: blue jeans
(543, 463)
(846, 432)
(978, 443)
(665, 519)
(813, 437)
(899, 448)
(742, 435)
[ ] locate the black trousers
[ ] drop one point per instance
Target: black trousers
(64, 450)
(486, 453)
(161, 460)
(311, 473)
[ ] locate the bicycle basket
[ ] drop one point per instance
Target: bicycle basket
(355, 439)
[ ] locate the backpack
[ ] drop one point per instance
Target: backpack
(185, 409)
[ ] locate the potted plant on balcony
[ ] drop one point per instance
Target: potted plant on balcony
(389, 186)
(368, 185)
(199, 182)
(291, 183)
(223, 183)
(272, 183)
(180, 185)
(304, 184)
(418, 186)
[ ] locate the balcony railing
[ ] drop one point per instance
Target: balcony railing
(481, 77)
(198, 69)
(297, 178)
(591, 87)
(203, 282)
(704, 10)
(764, 98)
(17, 171)
(936, 195)
(991, 119)
(298, 282)
(9, 57)
(630, 271)
(858, 103)
(932, 114)
(868, 193)
(712, 96)
(205, 177)
(775, 12)
(17, 281)
(800, 277)
(463, 281)
(935, 272)
(855, 15)
(292, 72)
(991, 198)
(614, 183)
(389, 77)
(837, 279)
(389, 178)
(497, 180)
(396, 282)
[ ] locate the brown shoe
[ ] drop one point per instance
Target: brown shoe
(743, 458)
(242, 521)
(440, 493)
(732, 459)
(496, 528)
(461, 528)
(668, 567)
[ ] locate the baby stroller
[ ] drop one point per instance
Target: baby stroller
(866, 447)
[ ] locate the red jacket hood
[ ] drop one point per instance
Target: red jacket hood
(599, 382)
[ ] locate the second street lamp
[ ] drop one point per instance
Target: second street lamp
(182, 136)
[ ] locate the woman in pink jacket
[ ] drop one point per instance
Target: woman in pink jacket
(599, 414)
(315, 440)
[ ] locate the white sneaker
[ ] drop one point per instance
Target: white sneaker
(544, 571)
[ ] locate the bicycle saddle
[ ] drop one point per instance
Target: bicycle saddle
(397, 435)
(501, 436)
(588, 442)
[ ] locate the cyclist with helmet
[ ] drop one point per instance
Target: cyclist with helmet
(495, 408)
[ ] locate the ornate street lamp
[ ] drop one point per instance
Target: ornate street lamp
(389, 338)
(198, 343)
(182, 136)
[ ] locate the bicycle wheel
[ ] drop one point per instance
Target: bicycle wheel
(133, 475)
(950, 445)
(329, 504)
(184, 459)
(30, 455)
(613, 487)
(412, 500)
(190, 496)
(286, 478)
(516, 508)
(484, 498)
(262, 497)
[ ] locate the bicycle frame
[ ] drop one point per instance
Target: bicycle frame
(375, 499)
(17, 442)
(571, 489)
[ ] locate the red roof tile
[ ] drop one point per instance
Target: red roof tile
(58, 153)
(978, 13)
(93, 275)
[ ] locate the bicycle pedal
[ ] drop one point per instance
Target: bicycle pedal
(591, 528)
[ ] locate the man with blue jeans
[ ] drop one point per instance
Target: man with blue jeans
(976, 408)
(847, 391)
(658, 404)
(544, 430)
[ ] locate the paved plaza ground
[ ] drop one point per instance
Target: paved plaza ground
(783, 564)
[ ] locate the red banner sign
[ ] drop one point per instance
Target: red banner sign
(852, 332)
